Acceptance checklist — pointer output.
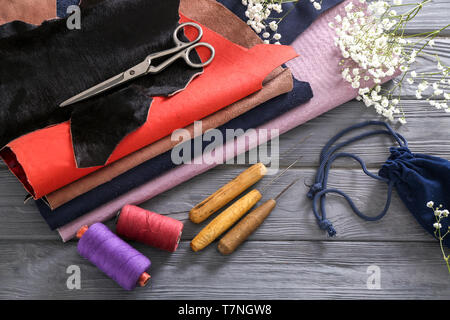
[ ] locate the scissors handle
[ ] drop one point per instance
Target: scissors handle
(193, 44)
(182, 50)
(185, 55)
(179, 42)
(201, 64)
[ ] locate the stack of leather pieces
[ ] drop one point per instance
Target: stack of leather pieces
(150, 169)
(318, 63)
(210, 14)
(216, 18)
(235, 73)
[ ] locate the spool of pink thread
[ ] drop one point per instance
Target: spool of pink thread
(150, 228)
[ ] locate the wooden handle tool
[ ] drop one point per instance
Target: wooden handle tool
(228, 192)
(225, 220)
(236, 236)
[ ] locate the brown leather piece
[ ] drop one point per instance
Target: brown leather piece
(30, 11)
(216, 17)
(219, 19)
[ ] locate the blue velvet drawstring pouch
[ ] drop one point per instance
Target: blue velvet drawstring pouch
(418, 178)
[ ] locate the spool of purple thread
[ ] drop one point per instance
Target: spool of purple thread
(113, 256)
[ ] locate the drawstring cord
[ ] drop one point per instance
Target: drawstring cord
(327, 156)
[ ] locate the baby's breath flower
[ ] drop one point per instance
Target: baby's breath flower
(273, 26)
(418, 94)
(259, 14)
(370, 39)
(437, 225)
(423, 86)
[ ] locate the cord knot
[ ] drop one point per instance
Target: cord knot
(328, 226)
(317, 187)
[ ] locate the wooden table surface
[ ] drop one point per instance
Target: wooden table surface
(288, 257)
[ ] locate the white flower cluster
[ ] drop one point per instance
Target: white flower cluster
(373, 49)
(370, 52)
(439, 214)
(258, 13)
(436, 90)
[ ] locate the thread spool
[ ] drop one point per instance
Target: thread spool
(150, 228)
(113, 256)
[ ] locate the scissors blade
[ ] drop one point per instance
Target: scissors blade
(105, 85)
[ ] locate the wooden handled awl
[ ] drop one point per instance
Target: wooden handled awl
(229, 216)
(225, 220)
(236, 236)
(231, 190)
(228, 192)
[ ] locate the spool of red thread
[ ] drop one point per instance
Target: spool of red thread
(150, 228)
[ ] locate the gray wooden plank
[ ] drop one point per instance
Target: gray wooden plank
(259, 270)
(433, 16)
(288, 257)
(425, 65)
(292, 219)
(425, 132)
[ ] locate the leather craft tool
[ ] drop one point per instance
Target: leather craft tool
(239, 233)
(229, 216)
(231, 190)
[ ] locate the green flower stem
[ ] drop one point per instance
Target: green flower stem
(441, 237)
(446, 258)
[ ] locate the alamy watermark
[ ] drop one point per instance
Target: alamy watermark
(227, 146)
(73, 21)
(74, 280)
(374, 277)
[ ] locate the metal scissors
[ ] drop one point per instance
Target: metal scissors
(181, 50)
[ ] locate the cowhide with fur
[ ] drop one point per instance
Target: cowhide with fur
(41, 66)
